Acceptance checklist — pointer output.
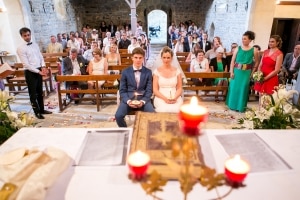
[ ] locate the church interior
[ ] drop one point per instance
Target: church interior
(204, 148)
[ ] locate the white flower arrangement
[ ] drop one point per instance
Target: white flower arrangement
(258, 76)
(10, 121)
(275, 112)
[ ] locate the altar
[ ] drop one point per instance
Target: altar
(273, 176)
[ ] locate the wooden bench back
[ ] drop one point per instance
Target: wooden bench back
(126, 58)
(123, 51)
(64, 54)
(181, 56)
(207, 74)
(99, 91)
(18, 66)
(185, 66)
(118, 67)
(106, 77)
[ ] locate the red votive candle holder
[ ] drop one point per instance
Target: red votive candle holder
(138, 163)
(236, 169)
(192, 115)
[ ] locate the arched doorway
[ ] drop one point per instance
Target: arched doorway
(157, 27)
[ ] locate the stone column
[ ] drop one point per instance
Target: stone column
(133, 4)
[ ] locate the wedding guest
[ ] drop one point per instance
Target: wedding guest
(34, 65)
(290, 66)
(112, 28)
(62, 41)
(103, 29)
(167, 84)
(270, 66)
(204, 43)
(219, 64)
(229, 54)
(73, 43)
(88, 54)
(86, 35)
(200, 64)
(97, 66)
(124, 42)
(296, 96)
(74, 65)
(191, 55)
(243, 59)
(113, 57)
(53, 46)
(94, 35)
(134, 44)
(135, 83)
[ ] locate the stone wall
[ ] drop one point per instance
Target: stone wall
(92, 12)
(228, 19)
(45, 19)
(224, 18)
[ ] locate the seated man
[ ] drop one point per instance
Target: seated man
(88, 54)
(54, 46)
(74, 65)
(135, 84)
(290, 66)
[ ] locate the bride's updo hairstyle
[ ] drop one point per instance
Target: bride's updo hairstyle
(166, 49)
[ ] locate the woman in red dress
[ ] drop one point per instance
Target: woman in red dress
(270, 65)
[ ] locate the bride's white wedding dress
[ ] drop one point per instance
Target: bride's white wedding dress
(158, 62)
(167, 86)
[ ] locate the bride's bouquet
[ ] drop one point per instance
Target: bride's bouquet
(258, 76)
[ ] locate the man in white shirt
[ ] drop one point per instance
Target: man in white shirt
(53, 46)
(106, 39)
(73, 43)
(133, 45)
(88, 54)
(34, 65)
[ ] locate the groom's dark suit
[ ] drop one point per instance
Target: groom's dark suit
(128, 88)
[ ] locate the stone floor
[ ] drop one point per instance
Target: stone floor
(86, 115)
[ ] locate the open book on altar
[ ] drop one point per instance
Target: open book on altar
(5, 70)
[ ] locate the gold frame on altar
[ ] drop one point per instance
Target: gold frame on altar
(153, 133)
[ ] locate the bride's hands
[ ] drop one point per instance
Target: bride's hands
(170, 101)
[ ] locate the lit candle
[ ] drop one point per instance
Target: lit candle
(138, 163)
(236, 169)
(192, 115)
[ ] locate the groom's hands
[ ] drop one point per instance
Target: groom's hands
(130, 104)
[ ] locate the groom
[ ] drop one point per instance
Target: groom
(135, 84)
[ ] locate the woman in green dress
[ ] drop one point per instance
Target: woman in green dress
(241, 69)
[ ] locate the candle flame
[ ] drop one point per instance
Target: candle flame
(138, 158)
(194, 101)
(237, 157)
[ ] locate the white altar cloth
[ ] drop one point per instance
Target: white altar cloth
(111, 182)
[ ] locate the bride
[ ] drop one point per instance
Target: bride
(167, 84)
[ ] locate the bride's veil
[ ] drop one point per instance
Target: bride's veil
(158, 62)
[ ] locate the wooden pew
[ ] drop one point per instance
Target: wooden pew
(211, 75)
(118, 67)
(98, 91)
(185, 66)
(181, 56)
(123, 51)
(19, 81)
(63, 55)
(126, 58)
